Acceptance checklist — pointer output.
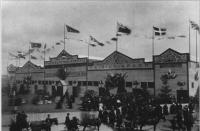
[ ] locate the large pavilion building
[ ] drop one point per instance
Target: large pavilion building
(91, 74)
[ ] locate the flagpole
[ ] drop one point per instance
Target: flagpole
(153, 33)
(44, 63)
(87, 65)
(196, 46)
(29, 51)
(152, 44)
(189, 42)
(64, 36)
(117, 38)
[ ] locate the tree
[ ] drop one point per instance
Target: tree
(165, 89)
(116, 80)
(62, 73)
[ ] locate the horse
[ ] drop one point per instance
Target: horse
(91, 122)
(39, 126)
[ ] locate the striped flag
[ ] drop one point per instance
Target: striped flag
(159, 31)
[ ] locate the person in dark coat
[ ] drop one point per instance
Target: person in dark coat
(118, 118)
(74, 123)
(179, 119)
(112, 117)
(48, 122)
(165, 110)
(105, 116)
(188, 118)
(67, 121)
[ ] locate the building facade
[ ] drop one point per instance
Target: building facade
(81, 71)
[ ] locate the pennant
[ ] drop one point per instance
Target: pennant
(123, 29)
(99, 43)
(171, 37)
(33, 57)
(93, 45)
(195, 26)
(108, 42)
(114, 39)
(159, 31)
(72, 30)
(36, 45)
(119, 34)
(181, 36)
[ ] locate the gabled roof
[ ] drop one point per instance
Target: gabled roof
(64, 53)
(30, 65)
(171, 56)
(119, 58)
(11, 68)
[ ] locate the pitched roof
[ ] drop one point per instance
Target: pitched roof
(64, 53)
(119, 58)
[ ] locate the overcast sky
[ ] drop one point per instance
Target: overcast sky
(43, 21)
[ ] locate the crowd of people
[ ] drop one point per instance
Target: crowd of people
(19, 122)
(130, 112)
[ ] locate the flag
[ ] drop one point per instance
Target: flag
(36, 45)
(114, 39)
(99, 43)
(96, 41)
(20, 54)
(58, 43)
(93, 45)
(93, 39)
(123, 29)
(171, 37)
(195, 26)
(119, 34)
(159, 31)
(72, 30)
(33, 57)
(181, 36)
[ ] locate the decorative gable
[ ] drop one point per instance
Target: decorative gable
(64, 53)
(118, 58)
(29, 67)
(171, 56)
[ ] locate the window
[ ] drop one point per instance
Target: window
(39, 82)
(89, 83)
(79, 83)
(192, 84)
(84, 83)
(143, 84)
(128, 84)
(96, 83)
(151, 85)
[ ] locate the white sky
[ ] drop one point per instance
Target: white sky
(43, 21)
